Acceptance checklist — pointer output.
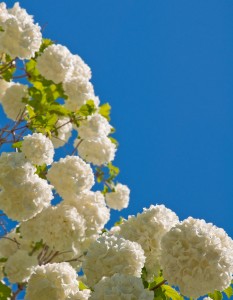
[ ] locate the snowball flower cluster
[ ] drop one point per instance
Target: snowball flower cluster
(54, 63)
(109, 255)
(91, 205)
(4, 85)
(19, 36)
(119, 198)
(38, 149)
(23, 193)
(63, 132)
(52, 282)
(147, 229)
(94, 126)
(19, 266)
(71, 175)
(98, 151)
(12, 100)
(198, 257)
(49, 224)
(121, 286)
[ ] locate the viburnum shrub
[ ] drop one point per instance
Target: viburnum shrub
(60, 248)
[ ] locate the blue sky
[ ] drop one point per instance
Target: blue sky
(166, 68)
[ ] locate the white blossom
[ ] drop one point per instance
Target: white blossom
(92, 207)
(121, 287)
(38, 149)
(78, 90)
(12, 100)
(52, 282)
(78, 68)
(51, 222)
(4, 85)
(9, 244)
(64, 128)
(98, 151)
(23, 194)
(93, 127)
(111, 254)
(71, 175)
(80, 295)
(20, 36)
(198, 257)
(147, 229)
(119, 198)
(54, 63)
(19, 266)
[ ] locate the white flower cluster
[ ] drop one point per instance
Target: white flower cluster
(198, 257)
(119, 198)
(49, 224)
(111, 254)
(98, 151)
(20, 265)
(52, 282)
(11, 99)
(71, 175)
(18, 26)
(122, 287)
(56, 63)
(4, 85)
(147, 229)
(23, 193)
(91, 205)
(38, 149)
(94, 126)
(64, 128)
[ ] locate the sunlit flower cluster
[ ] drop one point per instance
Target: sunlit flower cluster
(198, 257)
(18, 26)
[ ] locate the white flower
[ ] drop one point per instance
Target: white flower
(19, 266)
(54, 63)
(9, 244)
(94, 126)
(52, 282)
(121, 287)
(109, 255)
(23, 194)
(118, 199)
(147, 229)
(92, 207)
(64, 128)
(98, 151)
(78, 90)
(4, 85)
(20, 36)
(12, 100)
(198, 257)
(49, 224)
(38, 149)
(80, 295)
(71, 175)
(78, 69)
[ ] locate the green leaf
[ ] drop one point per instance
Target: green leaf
(228, 291)
(104, 110)
(45, 44)
(170, 292)
(87, 109)
(113, 170)
(17, 145)
(5, 291)
(82, 286)
(114, 141)
(3, 259)
(119, 222)
(216, 295)
(41, 171)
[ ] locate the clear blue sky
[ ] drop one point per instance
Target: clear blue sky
(166, 67)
